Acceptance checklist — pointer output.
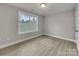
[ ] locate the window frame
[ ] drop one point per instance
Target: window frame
(27, 14)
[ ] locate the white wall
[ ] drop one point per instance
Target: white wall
(77, 25)
(61, 24)
(9, 25)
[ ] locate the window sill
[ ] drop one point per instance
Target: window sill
(27, 32)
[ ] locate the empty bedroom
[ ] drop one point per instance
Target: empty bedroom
(39, 29)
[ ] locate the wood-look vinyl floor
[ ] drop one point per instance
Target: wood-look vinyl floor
(41, 46)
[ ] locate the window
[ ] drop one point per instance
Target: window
(27, 22)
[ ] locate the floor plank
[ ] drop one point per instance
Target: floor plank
(42, 46)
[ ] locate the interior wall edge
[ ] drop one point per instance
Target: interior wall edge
(19, 41)
(63, 38)
(29, 38)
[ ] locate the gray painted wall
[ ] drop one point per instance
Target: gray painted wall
(9, 25)
(61, 24)
(77, 25)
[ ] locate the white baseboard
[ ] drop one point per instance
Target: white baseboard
(77, 43)
(19, 41)
(77, 47)
(62, 38)
(12, 43)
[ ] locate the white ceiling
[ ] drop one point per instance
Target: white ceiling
(51, 8)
